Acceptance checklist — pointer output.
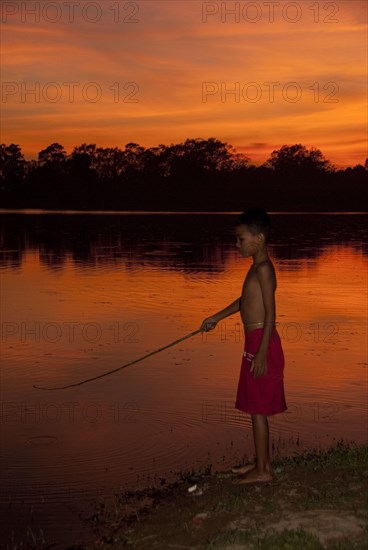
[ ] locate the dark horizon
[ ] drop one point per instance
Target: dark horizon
(197, 175)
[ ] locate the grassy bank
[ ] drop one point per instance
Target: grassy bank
(317, 499)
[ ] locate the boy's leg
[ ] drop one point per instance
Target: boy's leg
(261, 443)
(262, 471)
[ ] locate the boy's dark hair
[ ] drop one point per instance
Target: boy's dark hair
(257, 220)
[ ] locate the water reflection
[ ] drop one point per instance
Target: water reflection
(84, 294)
(187, 242)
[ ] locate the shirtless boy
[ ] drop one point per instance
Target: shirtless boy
(260, 389)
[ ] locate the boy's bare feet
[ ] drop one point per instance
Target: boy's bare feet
(242, 469)
(254, 476)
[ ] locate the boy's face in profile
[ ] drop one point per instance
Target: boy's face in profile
(247, 243)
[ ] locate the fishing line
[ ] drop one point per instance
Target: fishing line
(122, 367)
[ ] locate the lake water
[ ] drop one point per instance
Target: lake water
(85, 293)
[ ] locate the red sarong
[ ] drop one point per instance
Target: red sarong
(265, 394)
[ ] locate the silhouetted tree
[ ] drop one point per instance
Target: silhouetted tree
(86, 152)
(83, 166)
(298, 160)
(156, 162)
(52, 164)
(83, 170)
(196, 174)
(357, 169)
(209, 155)
(54, 155)
(111, 163)
(133, 153)
(12, 165)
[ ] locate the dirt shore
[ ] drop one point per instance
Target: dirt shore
(316, 500)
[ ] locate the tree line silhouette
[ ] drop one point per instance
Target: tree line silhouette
(196, 175)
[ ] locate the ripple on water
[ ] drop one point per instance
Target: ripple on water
(62, 458)
(58, 475)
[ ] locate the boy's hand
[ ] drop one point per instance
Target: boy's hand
(208, 324)
(259, 365)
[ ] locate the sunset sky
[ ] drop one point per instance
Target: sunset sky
(256, 75)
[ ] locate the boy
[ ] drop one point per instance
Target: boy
(260, 388)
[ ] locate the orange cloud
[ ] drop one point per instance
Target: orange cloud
(185, 70)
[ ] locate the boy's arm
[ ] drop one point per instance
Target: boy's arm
(267, 283)
(210, 322)
(234, 307)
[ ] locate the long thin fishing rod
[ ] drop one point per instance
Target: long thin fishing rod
(123, 367)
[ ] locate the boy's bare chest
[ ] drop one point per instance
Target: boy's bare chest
(251, 282)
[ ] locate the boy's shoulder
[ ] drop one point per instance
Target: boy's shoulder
(263, 265)
(264, 271)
